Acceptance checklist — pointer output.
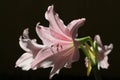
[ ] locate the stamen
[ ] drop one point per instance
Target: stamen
(57, 45)
(61, 46)
(52, 45)
(57, 49)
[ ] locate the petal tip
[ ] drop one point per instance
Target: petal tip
(97, 36)
(38, 25)
(26, 31)
(111, 46)
(16, 66)
(83, 19)
(50, 7)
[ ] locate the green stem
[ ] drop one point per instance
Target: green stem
(84, 50)
(96, 73)
(82, 42)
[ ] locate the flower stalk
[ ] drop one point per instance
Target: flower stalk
(96, 73)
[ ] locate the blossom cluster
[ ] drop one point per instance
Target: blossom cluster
(61, 46)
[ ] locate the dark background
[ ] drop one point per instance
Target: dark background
(102, 17)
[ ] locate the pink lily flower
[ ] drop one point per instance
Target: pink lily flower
(59, 49)
(63, 48)
(103, 52)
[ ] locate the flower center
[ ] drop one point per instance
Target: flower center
(56, 48)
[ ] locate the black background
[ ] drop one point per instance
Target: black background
(102, 17)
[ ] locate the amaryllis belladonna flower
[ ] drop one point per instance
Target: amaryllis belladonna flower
(103, 51)
(59, 49)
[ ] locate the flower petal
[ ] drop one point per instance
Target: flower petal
(86, 61)
(43, 55)
(59, 63)
(29, 45)
(59, 36)
(98, 40)
(104, 63)
(108, 49)
(25, 61)
(45, 34)
(21, 41)
(56, 24)
(74, 25)
(76, 55)
(103, 56)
